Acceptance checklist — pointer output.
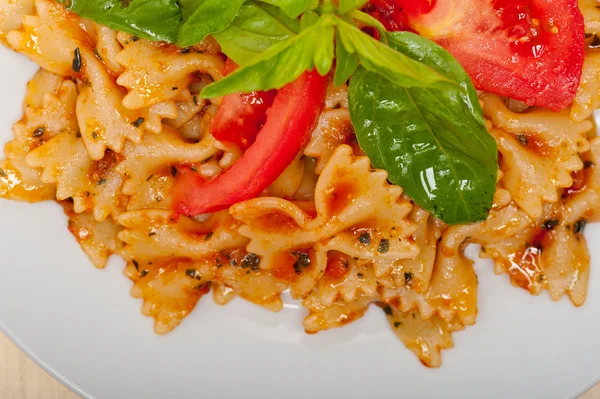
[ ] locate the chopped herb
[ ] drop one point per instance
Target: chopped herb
(523, 139)
(360, 276)
(150, 177)
(39, 132)
(152, 234)
(94, 134)
(384, 246)
(251, 261)
(233, 262)
(408, 278)
(193, 168)
(144, 273)
(97, 54)
(173, 171)
(175, 88)
(193, 273)
(208, 236)
(195, 100)
(76, 65)
(102, 182)
(388, 310)
(136, 264)
(397, 324)
(365, 238)
(550, 224)
(542, 278)
(138, 122)
(587, 164)
(302, 261)
(184, 50)
(134, 38)
(579, 226)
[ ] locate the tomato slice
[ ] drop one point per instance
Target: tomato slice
(241, 116)
(289, 124)
(529, 50)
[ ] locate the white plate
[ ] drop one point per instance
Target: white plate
(81, 325)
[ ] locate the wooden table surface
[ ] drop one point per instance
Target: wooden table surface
(20, 378)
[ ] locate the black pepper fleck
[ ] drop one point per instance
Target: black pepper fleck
(365, 238)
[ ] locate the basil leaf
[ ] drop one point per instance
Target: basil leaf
(205, 17)
(281, 64)
(433, 142)
(398, 68)
(346, 63)
(255, 29)
(347, 6)
(293, 8)
(152, 20)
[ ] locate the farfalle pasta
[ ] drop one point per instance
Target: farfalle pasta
(111, 120)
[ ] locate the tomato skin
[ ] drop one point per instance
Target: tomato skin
(529, 50)
(390, 15)
(289, 124)
(241, 116)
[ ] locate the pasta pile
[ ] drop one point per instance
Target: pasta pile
(106, 142)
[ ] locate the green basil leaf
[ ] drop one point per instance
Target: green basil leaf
(383, 60)
(281, 64)
(152, 20)
(346, 63)
(255, 29)
(205, 17)
(347, 6)
(433, 142)
(293, 8)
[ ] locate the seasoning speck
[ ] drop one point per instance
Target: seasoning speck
(523, 139)
(208, 236)
(144, 273)
(408, 278)
(39, 132)
(550, 224)
(251, 261)
(579, 226)
(365, 238)
(384, 246)
(397, 324)
(138, 122)
(388, 310)
(76, 66)
(136, 264)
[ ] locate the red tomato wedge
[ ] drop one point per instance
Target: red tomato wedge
(289, 124)
(529, 50)
(241, 116)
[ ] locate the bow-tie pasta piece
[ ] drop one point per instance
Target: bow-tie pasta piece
(155, 72)
(50, 37)
(50, 110)
(92, 185)
(354, 207)
(170, 288)
(426, 338)
(551, 252)
(150, 169)
(540, 149)
(97, 239)
(155, 234)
